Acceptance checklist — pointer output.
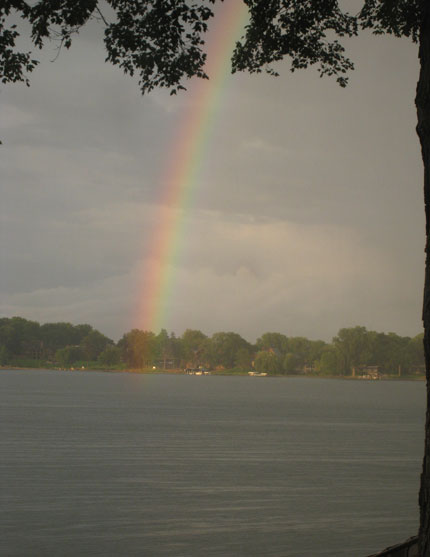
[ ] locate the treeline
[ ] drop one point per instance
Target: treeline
(27, 343)
(354, 350)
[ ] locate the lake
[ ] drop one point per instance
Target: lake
(117, 464)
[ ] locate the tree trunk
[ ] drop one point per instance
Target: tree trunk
(423, 130)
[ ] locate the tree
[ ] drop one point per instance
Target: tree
(159, 40)
(224, 347)
(68, 355)
(175, 347)
(391, 352)
(243, 359)
(110, 356)
(20, 337)
(94, 344)
(4, 356)
(415, 351)
(353, 345)
(162, 40)
(167, 347)
(329, 361)
(59, 335)
(316, 349)
(193, 346)
(267, 362)
(138, 348)
(291, 363)
(276, 341)
(301, 353)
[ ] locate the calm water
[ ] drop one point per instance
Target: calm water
(160, 465)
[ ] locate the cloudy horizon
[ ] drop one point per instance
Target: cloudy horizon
(308, 215)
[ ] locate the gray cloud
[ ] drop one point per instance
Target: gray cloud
(307, 216)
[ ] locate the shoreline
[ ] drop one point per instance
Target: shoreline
(223, 373)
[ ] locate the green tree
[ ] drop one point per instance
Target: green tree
(111, 356)
(390, 352)
(20, 337)
(315, 350)
(175, 347)
(24, 338)
(267, 362)
(276, 341)
(4, 355)
(416, 352)
(162, 345)
(301, 348)
(167, 347)
(69, 355)
(354, 347)
(223, 348)
(329, 361)
(194, 347)
(243, 359)
(292, 363)
(80, 332)
(138, 348)
(59, 335)
(93, 345)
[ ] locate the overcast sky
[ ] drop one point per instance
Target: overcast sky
(308, 215)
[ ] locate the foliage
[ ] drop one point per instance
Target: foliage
(243, 359)
(268, 362)
(194, 346)
(19, 336)
(23, 341)
(291, 363)
(299, 29)
(94, 344)
(4, 355)
(396, 17)
(167, 347)
(300, 347)
(138, 348)
(354, 347)
(329, 363)
(58, 335)
(161, 40)
(315, 350)
(111, 356)
(224, 347)
(275, 341)
(14, 65)
(69, 355)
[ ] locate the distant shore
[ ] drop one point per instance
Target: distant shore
(226, 372)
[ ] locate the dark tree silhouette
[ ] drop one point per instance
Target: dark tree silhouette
(162, 41)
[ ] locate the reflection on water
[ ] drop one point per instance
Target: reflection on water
(161, 465)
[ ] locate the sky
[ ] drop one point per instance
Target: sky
(307, 215)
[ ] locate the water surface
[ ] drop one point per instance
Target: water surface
(162, 465)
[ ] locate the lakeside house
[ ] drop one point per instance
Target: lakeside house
(367, 372)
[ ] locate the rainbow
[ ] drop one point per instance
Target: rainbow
(184, 163)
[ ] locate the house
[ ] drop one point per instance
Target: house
(367, 372)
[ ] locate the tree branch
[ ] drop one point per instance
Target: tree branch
(102, 16)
